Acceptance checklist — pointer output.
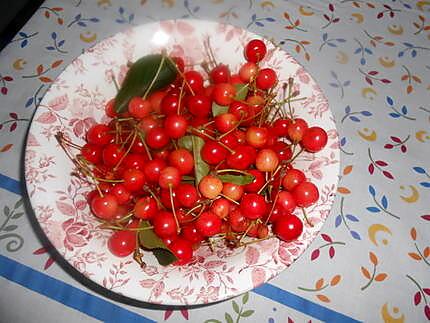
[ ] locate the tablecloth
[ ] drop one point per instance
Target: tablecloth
(371, 261)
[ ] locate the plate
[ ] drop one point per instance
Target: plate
(76, 100)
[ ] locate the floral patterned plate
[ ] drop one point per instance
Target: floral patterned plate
(76, 100)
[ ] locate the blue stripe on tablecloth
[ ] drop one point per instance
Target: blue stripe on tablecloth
(66, 294)
(301, 304)
(97, 307)
(10, 184)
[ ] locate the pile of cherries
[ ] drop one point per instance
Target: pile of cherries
(144, 172)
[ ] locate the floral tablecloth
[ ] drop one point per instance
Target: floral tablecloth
(371, 261)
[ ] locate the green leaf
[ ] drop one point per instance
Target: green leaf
(236, 307)
(6, 210)
(241, 91)
(236, 179)
(17, 215)
(186, 142)
(18, 203)
(245, 298)
(164, 256)
(212, 321)
(228, 318)
(218, 109)
(247, 313)
(149, 73)
(201, 169)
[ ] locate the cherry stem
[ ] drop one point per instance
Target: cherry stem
(163, 58)
(142, 139)
(190, 211)
(182, 75)
(306, 217)
(146, 188)
(295, 156)
(231, 170)
(230, 199)
(211, 138)
(181, 94)
(127, 151)
(178, 228)
(273, 207)
(237, 125)
(125, 217)
(270, 179)
(243, 244)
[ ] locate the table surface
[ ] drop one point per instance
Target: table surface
(371, 261)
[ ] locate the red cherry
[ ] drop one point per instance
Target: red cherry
(136, 161)
(288, 228)
(208, 224)
(253, 206)
(134, 179)
(104, 207)
(164, 195)
(176, 126)
(99, 134)
(164, 224)
(283, 150)
(257, 183)
(187, 195)
(139, 108)
(169, 104)
(148, 123)
(255, 51)
(210, 186)
(286, 201)
(305, 194)
(314, 139)
(238, 221)
(280, 127)
(233, 191)
(277, 212)
(92, 153)
(110, 108)
(248, 71)
(155, 100)
(169, 177)
(122, 243)
(267, 160)
(223, 93)
(121, 193)
(112, 154)
(213, 153)
(292, 178)
(182, 159)
(199, 105)
(242, 111)
(157, 138)
(225, 122)
(242, 158)
(221, 207)
(189, 232)
(220, 74)
(145, 208)
(257, 136)
(183, 250)
(153, 168)
(194, 81)
(230, 140)
(266, 79)
(296, 129)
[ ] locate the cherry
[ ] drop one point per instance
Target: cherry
(145, 208)
(122, 243)
(134, 179)
(183, 217)
(194, 80)
(230, 140)
(164, 224)
(104, 207)
(99, 134)
(225, 122)
(277, 212)
(189, 232)
(187, 195)
(296, 129)
(112, 154)
(210, 186)
(163, 153)
(248, 72)
(183, 251)
(257, 136)
(242, 111)
(136, 161)
(223, 93)
(164, 195)
(139, 108)
(283, 150)
(169, 177)
(148, 123)
(233, 191)
(221, 207)
(213, 153)
(238, 221)
(121, 193)
(110, 108)
(257, 182)
(280, 127)
(157, 138)
(169, 104)
(292, 178)
(288, 228)
(176, 126)
(152, 169)
(220, 74)
(267, 160)
(266, 79)
(253, 206)
(180, 64)
(314, 139)
(92, 153)
(255, 51)
(242, 158)
(155, 100)
(255, 100)
(208, 224)
(199, 105)
(305, 194)
(263, 231)
(286, 201)
(182, 159)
